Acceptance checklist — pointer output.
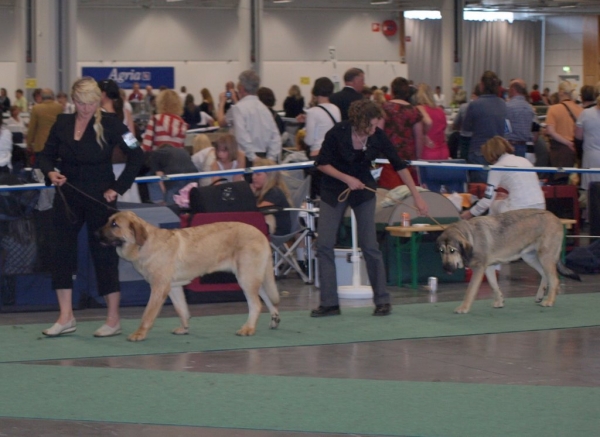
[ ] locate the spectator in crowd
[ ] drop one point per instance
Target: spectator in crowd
(520, 116)
(321, 117)
(112, 105)
(523, 187)
(183, 94)
(15, 118)
(228, 157)
(588, 130)
(208, 104)
(227, 99)
(459, 96)
(434, 141)
(403, 124)
(457, 125)
(345, 160)
(136, 94)
(20, 100)
(168, 159)
(354, 80)
(86, 168)
(546, 97)
(63, 99)
(293, 104)
(535, 96)
(4, 101)
(385, 90)
(191, 112)
(267, 97)
(149, 102)
(560, 127)
(485, 118)
(588, 96)
(166, 126)
(203, 156)
(6, 146)
(438, 98)
(42, 117)
(36, 95)
(255, 130)
(271, 191)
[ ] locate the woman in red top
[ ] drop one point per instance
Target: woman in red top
(403, 124)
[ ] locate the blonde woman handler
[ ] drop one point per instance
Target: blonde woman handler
(80, 147)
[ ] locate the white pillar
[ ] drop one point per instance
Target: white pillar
(250, 35)
(20, 20)
(45, 44)
(448, 45)
(68, 44)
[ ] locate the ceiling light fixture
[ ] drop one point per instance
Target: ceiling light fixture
(282, 1)
(381, 2)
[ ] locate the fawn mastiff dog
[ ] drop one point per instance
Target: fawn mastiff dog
(177, 256)
(531, 234)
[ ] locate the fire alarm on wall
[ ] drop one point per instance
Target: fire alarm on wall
(389, 27)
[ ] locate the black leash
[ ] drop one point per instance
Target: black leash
(70, 214)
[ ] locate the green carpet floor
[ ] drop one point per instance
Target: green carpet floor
(298, 404)
(26, 343)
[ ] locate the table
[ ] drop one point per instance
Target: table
(413, 231)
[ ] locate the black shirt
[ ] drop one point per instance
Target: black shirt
(337, 151)
(85, 163)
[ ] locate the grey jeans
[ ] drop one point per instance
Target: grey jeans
(330, 218)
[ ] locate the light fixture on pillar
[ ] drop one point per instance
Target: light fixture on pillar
(381, 2)
(282, 1)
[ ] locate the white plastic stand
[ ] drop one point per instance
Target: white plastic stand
(356, 290)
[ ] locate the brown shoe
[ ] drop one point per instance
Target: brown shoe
(326, 311)
(384, 309)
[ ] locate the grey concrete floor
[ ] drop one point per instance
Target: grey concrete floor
(567, 357)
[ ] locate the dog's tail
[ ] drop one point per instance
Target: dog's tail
(567, 272)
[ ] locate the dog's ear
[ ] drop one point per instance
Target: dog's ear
(466, 251)
(139, 232)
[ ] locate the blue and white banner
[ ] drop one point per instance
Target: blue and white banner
(126, 76)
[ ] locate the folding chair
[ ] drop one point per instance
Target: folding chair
(284, 256)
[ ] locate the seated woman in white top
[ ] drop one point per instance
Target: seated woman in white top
(229, 157)
(523, 187)
(320, 118)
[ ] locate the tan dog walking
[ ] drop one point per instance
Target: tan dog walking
(534, 235)
(166, 257)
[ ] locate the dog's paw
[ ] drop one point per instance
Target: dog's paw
(274, 321)
(499, 304)
(462, 309)
(538, 299)
(246, 331)
(181, 331)
(547, 303)
(137, 336)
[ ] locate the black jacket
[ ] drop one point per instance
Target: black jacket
(342, 99)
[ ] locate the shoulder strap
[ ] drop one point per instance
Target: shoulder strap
(570, 113)
(328, 113)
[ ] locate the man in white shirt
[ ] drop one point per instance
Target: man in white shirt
(438, 97)
(253, 125)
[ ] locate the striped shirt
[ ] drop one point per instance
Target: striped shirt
(163, 129)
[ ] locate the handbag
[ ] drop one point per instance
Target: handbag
(223, 197)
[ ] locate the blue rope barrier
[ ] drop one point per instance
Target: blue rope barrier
(310, 164)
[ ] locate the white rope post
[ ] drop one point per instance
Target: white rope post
(356, 290)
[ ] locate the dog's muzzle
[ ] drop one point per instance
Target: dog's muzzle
(107, 241)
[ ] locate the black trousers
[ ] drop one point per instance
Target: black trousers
(67, 224)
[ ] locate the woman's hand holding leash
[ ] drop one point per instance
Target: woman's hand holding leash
(110, 195)
(354, 184)
(56, 178)
(421, 206)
